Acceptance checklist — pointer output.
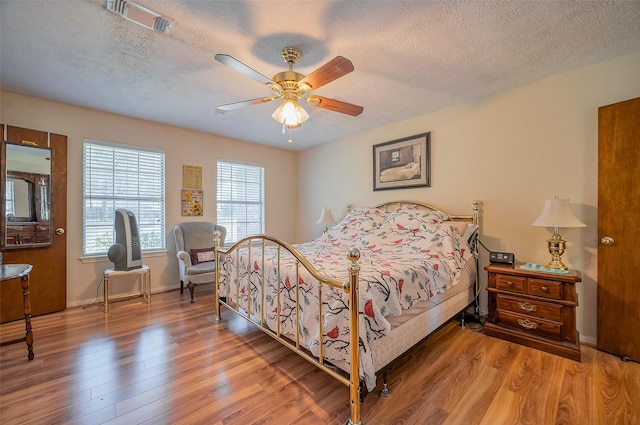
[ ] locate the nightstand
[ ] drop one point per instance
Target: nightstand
(535, 309)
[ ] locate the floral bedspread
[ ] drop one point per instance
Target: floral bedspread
(406, 256)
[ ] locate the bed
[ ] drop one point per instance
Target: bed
(409, 268)
(405, 172)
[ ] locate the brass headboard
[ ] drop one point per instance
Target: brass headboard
(473, 217)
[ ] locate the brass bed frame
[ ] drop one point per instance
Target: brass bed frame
(349, 286)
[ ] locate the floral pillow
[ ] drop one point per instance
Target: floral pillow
(364, 218)
(460, 226)
(413, 219)
(202, 255)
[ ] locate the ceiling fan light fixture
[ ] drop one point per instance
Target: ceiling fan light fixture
(291, 86)
(290, 113)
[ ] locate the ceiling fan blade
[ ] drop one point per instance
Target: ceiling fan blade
(332, 70)
(335, 105)
(238, 66)
(236, 105)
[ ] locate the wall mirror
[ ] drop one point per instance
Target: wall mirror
(27, 196)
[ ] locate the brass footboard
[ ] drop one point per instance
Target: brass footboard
(350, 286)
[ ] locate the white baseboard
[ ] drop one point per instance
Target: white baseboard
(83, 303)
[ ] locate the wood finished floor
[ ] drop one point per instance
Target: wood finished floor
(168, 363)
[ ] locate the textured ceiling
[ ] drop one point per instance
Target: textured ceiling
(410, 57)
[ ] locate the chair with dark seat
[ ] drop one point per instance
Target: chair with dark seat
(194, 246)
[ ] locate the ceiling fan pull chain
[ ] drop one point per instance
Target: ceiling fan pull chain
(290, 140)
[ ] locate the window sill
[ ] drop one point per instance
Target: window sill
(103, 258)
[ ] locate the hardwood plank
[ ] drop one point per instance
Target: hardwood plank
(504, 409)
(469, 364)
(474, 403)
(616, 397)
(412, 388)
(542, 404)
(506, 354)
(576, 392)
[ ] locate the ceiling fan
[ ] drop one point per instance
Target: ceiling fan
(292, 86)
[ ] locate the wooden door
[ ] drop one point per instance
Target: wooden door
(619, 220)
(49, 275)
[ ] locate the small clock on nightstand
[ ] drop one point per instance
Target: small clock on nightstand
(534, 308)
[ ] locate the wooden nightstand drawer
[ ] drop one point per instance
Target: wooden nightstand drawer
(533, 308)
(530, 307)
(530, 324)
(511, 283)
(545, 288)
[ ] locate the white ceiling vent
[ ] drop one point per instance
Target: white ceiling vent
(140, 15)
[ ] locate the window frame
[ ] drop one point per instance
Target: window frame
(239, 229)
(148, 204)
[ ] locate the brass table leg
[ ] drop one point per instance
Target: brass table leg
(105, 278)
(148, 288)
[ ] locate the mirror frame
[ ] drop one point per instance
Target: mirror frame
(3, 214)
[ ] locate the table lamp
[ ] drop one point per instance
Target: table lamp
(326, 218)
(557, 213)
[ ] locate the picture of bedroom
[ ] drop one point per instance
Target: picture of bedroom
(402, 163)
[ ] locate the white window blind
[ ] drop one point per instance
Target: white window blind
(240, 199)
(122, 177)
(9, 197)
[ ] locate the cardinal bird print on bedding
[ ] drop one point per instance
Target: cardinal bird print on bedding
(406, 256)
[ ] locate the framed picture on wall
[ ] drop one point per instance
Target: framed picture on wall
(191, 177)
(191, 202)
(402, 163)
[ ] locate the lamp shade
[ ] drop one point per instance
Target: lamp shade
(326, 217)
(557, 213)
(290, 113)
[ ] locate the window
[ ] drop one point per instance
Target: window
(240, 199)
(9, 197)
(117, 176)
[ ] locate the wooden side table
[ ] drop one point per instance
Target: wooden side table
(21, 271)
(145, 292)
(534, 308)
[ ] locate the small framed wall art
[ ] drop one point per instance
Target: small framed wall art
(191, 202)
(191, 177)
(402, 163)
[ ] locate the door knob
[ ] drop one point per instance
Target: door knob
(59, 231)
(607, 240)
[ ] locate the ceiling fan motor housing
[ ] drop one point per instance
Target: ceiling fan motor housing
(282, 77)
(291, 55)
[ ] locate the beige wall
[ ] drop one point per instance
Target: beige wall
(510, 151)
(180, 147)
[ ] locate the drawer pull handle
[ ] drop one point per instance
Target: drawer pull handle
(527, 307)
(509, 283)
(527, 324)
(545, 289)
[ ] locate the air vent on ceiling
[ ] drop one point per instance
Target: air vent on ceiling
(140, 15)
